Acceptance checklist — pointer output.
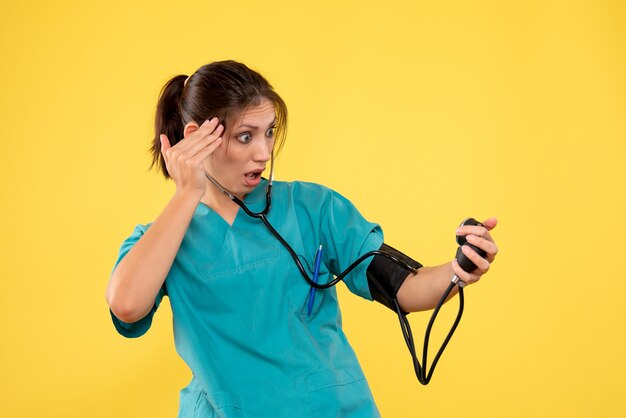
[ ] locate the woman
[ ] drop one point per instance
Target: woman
(259, 342)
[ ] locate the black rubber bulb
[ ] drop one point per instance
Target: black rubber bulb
(465, 263)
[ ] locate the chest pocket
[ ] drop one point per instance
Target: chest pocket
(300, 292)
(295, 233)
(303, 294)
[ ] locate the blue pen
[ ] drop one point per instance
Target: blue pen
(316, 272)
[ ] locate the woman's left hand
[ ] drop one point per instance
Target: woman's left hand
(479, 236)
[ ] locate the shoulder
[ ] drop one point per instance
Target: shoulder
(137, 233)
(313, 199)
(140, 229)
(131, 240)
(302, 190)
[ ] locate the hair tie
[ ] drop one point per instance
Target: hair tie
(185, 83)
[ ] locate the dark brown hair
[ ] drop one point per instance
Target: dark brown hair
(223, 89)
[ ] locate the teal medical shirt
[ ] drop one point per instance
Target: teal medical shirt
(239, 305)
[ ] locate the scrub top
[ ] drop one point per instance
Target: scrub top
(240, 315)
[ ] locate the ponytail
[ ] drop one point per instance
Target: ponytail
(168, 120)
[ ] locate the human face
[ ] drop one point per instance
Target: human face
(238, 163)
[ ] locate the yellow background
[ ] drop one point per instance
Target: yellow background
(422, 113)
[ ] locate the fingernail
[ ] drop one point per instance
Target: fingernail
(458, 230)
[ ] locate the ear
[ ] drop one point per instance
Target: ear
(190, 128)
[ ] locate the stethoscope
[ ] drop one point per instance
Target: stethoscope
(420, 369)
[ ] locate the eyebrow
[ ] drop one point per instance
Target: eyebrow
(245, 125)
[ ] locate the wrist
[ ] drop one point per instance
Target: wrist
(189, 195)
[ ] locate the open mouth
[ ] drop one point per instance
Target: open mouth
(253, 175)
(253, 178)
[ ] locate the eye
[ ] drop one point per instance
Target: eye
(270, 132)
(244, 138)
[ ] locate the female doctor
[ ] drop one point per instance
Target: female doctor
(244, 321)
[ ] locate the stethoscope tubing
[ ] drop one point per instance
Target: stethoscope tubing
(262, 215)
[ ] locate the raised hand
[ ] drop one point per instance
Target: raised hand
(184, 161)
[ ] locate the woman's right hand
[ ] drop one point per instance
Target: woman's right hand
(184, 161)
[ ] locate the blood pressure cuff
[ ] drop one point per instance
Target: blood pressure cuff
(385, 276)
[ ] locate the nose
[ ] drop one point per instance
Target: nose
(262, 151)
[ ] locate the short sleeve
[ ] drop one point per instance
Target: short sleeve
(135, 329)
(347, 235)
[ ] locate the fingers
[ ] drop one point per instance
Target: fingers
(184, 160)
(206, 128)
(474, 230)
(487, 225)
(187, 148)
(200, 156)
(490, 223)
(468, 278)
(478, 230)
(208, 132)
(479, 236)
(206, 138)
(482, 265)
(490, 247)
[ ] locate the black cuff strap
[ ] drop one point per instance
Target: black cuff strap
(385, 276)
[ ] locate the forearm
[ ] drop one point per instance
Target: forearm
(137, 279)
(422, 291)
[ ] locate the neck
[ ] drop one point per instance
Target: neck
(215, 199)
(220, 203)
